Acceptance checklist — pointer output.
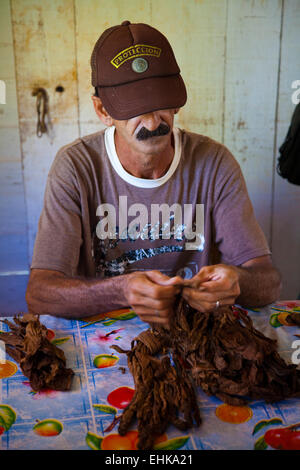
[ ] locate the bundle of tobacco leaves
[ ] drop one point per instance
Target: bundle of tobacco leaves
(219, 351)
(42, 362)
(163, 394)
(229, 358)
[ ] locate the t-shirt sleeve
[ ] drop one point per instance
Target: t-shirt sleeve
(238, 235)
(59, 235)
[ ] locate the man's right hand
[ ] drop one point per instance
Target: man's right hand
(151, 295)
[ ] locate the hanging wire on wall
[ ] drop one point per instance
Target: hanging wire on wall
(42, 110)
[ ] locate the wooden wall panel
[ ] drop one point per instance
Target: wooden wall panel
(252, 55)
(13, 227)
(197, 31)
(45, 57)
(286, 208)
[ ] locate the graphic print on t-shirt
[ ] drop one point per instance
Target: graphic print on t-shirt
(129, 233)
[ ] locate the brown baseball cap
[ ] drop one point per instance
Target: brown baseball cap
(135, 72)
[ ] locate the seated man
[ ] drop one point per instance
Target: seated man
(140, 211)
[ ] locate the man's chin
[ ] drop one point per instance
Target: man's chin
(155, 144)
(153, 149)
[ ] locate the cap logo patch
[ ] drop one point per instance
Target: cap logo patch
(139, 65)
(135, 51)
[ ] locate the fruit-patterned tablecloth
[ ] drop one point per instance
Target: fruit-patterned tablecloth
(87, 416)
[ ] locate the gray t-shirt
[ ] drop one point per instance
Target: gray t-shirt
(99, 221)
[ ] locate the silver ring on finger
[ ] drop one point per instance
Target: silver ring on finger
(217, 304)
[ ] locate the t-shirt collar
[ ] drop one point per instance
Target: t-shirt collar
(141, 182)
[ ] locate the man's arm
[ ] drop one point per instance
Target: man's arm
(150, 293)
(259, 281)
(53, 293)
(255, 283)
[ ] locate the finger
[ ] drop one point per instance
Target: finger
(212, 285)
(166, 292)
(227, 284)
(145, 310)
(211, 273)
(156, 316)
(164, 280)
(223, 285)
(203, 275)
(153, 304)
(200, 304)
(197, 295)
(151, 290)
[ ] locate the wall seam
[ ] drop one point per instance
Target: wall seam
(19, 132)
(76, 67)
(276, 128)
(224, 76)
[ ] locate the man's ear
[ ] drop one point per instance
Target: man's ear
(101, 111)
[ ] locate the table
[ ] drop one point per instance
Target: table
(102, 386)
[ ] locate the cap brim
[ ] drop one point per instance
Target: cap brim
(143, 96)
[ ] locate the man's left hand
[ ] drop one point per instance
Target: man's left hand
(212, 286)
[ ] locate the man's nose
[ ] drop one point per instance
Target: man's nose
(151, 121)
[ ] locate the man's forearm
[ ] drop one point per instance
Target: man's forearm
(260, 285)
(75, 297)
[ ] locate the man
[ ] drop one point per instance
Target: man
(137, 213)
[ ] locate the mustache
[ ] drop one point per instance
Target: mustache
(144, 134)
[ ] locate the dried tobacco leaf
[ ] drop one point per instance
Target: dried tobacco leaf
(163, 394)
(40, 360)
(230, 359)
(219, 351)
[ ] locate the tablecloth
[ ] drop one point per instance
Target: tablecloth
(87, 416)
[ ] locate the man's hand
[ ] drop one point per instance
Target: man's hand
(151, 294)
(217, 283)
